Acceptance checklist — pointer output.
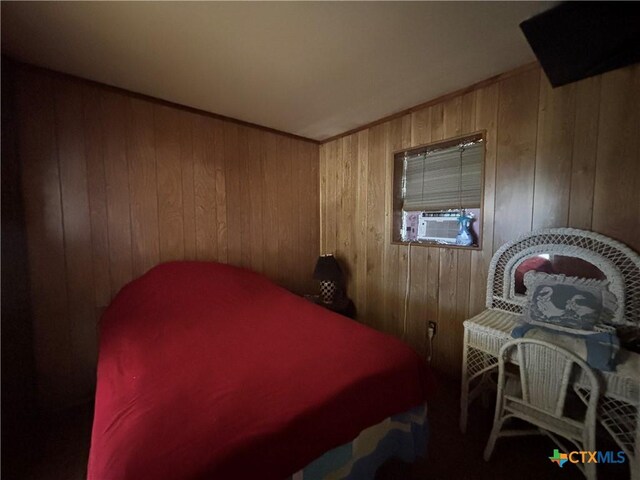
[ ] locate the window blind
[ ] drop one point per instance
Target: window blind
(439, 180)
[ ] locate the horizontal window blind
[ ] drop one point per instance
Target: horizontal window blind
(439, 180)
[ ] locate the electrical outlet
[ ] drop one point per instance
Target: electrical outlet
(433, 326)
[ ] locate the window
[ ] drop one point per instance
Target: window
(438, 191)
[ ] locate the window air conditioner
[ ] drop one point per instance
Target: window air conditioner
(438, 227)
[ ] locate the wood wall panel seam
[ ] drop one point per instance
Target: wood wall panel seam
(535, 151)
(96, 187)
(584, 100)
(495, 171)
(118, 192)
(192, 184)
(65, 256)
(157, 191)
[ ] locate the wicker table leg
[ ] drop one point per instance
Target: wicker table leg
(475, 364)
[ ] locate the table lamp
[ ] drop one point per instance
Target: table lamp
(328, 272)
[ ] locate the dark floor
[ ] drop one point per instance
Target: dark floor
(454, 456)
(59, 450)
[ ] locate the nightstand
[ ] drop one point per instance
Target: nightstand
(343, 307)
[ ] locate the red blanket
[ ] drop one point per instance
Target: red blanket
(211, 371)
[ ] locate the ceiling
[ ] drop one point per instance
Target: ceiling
(314, 69)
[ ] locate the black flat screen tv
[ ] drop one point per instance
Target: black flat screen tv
(576, 40)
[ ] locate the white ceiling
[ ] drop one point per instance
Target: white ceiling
(315, 69)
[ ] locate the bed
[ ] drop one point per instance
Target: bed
(211, 371)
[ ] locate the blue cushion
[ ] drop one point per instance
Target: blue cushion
(599, 349)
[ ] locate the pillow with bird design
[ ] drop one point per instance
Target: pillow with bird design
(567, 302)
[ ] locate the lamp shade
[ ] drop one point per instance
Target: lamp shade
(327, 268)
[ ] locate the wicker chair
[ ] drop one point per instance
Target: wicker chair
(545, 375)
(484, 334)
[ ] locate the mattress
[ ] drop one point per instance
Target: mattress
(212, 371)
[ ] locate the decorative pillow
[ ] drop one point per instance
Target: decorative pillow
(567, 302)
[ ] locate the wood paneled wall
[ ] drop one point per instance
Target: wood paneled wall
(555, 157)
(114, 184)
(18, 369)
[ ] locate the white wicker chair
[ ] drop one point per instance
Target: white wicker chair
(546, 372)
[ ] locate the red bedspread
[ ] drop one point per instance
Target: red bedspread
(211, 371)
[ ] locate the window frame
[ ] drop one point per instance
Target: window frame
(397, 167)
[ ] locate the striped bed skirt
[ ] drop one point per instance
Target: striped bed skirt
(403, 436)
